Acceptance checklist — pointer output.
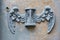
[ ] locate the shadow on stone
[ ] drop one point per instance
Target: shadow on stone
(30, 27)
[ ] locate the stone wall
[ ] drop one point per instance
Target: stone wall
(40, 32)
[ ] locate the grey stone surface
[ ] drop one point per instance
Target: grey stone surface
(21, 32)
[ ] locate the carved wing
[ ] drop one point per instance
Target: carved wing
(47, 15)
(14, 16)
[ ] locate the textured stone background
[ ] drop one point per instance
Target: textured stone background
(40, 32)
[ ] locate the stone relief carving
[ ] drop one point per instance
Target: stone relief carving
(30, 18)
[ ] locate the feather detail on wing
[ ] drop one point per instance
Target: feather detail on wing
(47, 15)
